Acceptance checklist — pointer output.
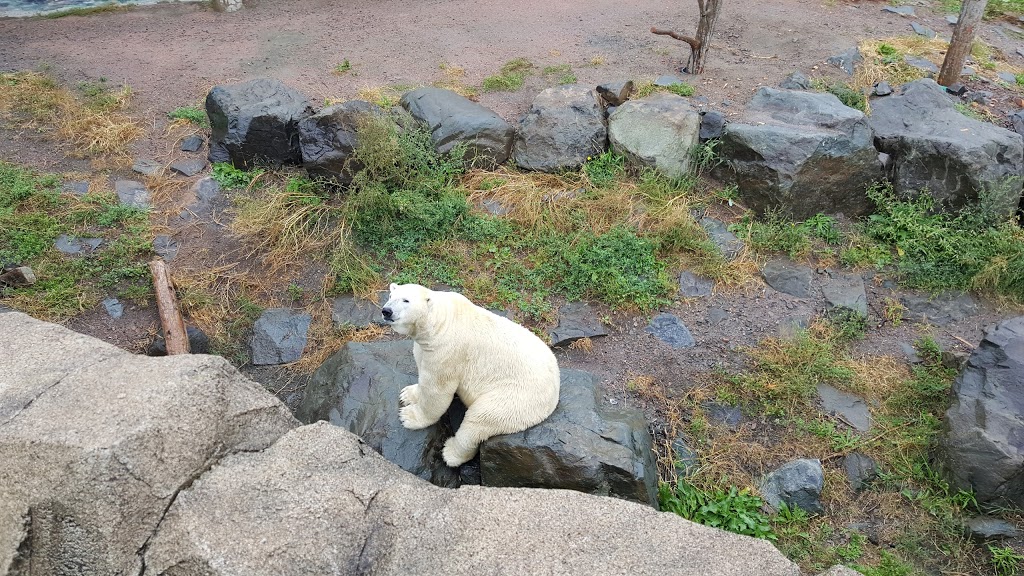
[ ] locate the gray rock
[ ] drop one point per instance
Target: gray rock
(981, 448)
(1007, 77)
(793, 325)
(17, 276)
(329, 138)
(658, 131)
(256, 121)
(861, 470)
(358, 388)
(584, 446)
(320, 502)
(922, 64)
(795, 484)
(937, 148)
(165, 247)
(846, 61)
(986, 529)
(716, 316)
(729, 416)
(147, 167)
(279, 336)
(671, 330)
(357, 312)
(88, 468)
(495, 208)
(192, 144)
(693, 286)
(1017, 120)
(952, 19)
(796, 81)
(852, 408)
(114, 307)
(883, 89)
(788, 277)
(576, 320)
(666, 80)
(803, 153)
(189, 167)
(845, 291)
(452, 119)
(616, 93)
(966, 71)
(939, 310)
(711, 125)
(76, 187)
(685, 460)
(979, 96)
(901, 10)
(564, 126)
(74, 246)
(922, 30)
(198, 343)
(910, 353)
(719, 234)
(132, 193)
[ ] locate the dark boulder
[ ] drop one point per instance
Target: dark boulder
(329, 138)
(564, 127)
(256, 121)
(452, 119)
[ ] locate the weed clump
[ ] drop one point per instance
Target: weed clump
(511, 77)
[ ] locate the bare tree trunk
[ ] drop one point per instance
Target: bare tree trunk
(175, 337)
(971, 12)
(709, 10)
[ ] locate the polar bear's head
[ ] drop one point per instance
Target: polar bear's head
(406, 306)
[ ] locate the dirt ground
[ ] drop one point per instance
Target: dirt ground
(172, 54)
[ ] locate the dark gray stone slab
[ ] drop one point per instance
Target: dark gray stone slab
(922, 30)
(852, 408)
(192, 143)
(986, 528)
(846, 61)
(76, 187)
(357, 312)
(693, 286)
(671, 330)
(796, 484)
(279, 336)
(165, 247)
(576, 320)
(711, 125)
(189, 167)
(114, 307)
(845, 291)
(726, 241)
(939, 310)
(901, 10)
(132, 193)
(922, 64)
(788, 277)
(861, 470)
(147, 167)
(666, 80)
(75, 246)
(796, 81)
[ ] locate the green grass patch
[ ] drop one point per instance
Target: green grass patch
(847, 95)
(33, 213)
(511, 77)
(190, 114)
(645, 89)
(775, 233)
(605, 169)
(733, 509)
(562, 74)
(230, 177)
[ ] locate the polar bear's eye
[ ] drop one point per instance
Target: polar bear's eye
(405, 301)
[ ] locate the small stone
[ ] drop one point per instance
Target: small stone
(788, 278)
(495, 208)
(189, 167)
(793, 325)
(952, 19)
(796, 483)
(983, 528)
(716, 315)
(693, 286)
(667, 80)
(796, 81)
(967, 71)
(18, 277)
(910, 353)
(861, 470)
(885, 160)
(1007, 77)
(922, 64)
(279, 336)
(852, 408)
(940, 309)
(113, 307)
(922, 31)
(728, 416)
(76, 187)
(616, 93)
(74, 246)
(198, 343)
(846, 291)
(357, 312)
(981, 97)
(711, 125)
(576, 320)
(192, 143)
(146, 167)
(165, 247)
(1017, 120)
(901, 10)
(883, 89)
(1020, 51)
(132, 193)
(726, 241)
(671, 330)
(846, 61)
(956, 89)
(686, 460)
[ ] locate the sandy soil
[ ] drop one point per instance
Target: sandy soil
(172, 54)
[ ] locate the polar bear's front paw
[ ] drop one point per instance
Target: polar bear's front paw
(412, 419)
(454, 457)
(410, 395)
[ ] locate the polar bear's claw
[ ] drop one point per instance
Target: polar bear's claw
(409, 395)
(411, 419)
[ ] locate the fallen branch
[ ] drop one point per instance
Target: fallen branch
(693, 42)
(175, 336)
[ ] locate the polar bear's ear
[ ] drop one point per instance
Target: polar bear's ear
(393, 286)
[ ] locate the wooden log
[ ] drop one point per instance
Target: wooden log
(171, 322)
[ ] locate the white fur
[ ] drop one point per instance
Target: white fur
(505, 375)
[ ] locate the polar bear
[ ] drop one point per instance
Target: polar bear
(505, 375)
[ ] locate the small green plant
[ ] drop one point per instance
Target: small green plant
(846, 325)
(969, 111)
(230, 177)
(189, 114)
(562, 73)
(295, 292)
(1005, 560)
(511, 77)
(681, 89)
(890, 565)
(847, 95)
(734, 510)
(838, 440)
(603, 170)
(343, 68)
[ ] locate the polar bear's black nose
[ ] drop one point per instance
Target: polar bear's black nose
(386, 312)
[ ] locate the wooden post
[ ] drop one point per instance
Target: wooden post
(971, 12)
(175, 336)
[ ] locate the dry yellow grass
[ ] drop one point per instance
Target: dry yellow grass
(454, 80)
(100, 130)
